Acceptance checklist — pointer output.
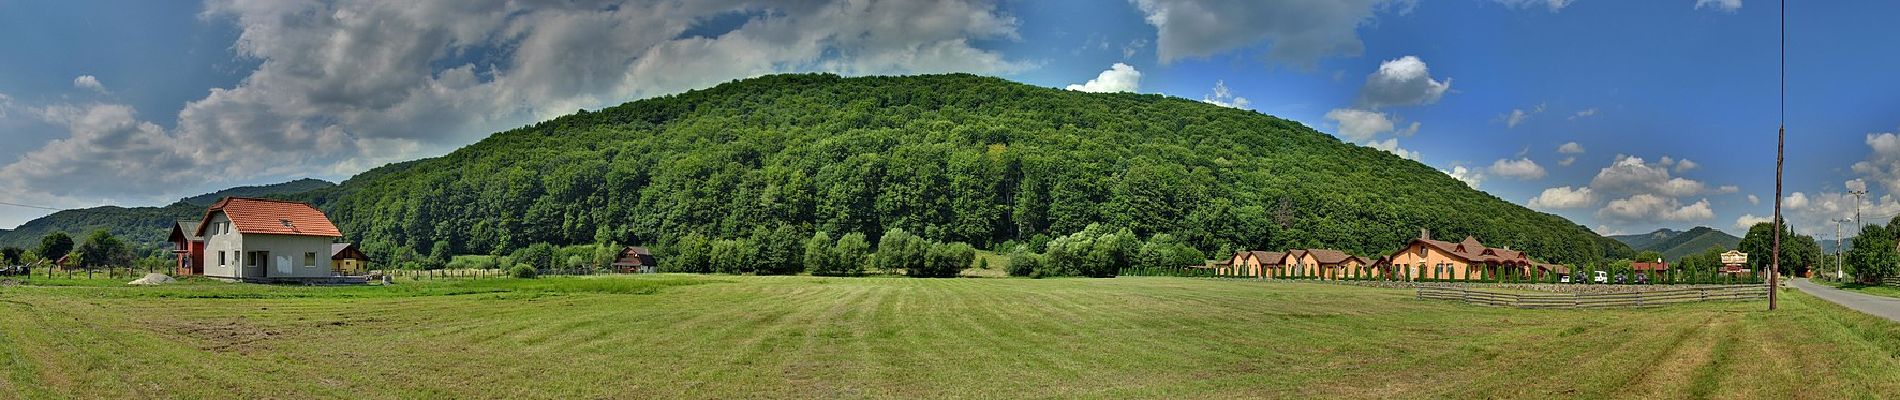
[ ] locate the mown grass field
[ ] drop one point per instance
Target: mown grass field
(1877, 290)
(676, 336)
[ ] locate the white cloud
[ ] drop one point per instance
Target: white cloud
(1630, 174)
(1223, 97)
(1567, 161)
(1392, 146)
(1646, 207)
(1359, 125)
(1297, 32)
(1564, 197)
(1727, 189)
(1855, 184)
(1128, 51)
(1402, 82)
(1882, 166)
(1118, 78)
(1570, 148)
(1749, 220)
(1796, 200)
(1754, 200)
(1605, 230)
(1727, 6)
(1552, 5)
(342, 86)
(1684, 165)
(89, 82)
(1522, 169)
(1583, 113)
(1466, 175)
(1516, 116)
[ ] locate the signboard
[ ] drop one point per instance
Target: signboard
(1734, 258)
(1733, 269)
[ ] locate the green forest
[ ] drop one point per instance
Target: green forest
(946, 158)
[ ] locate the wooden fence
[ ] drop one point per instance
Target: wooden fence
(1597, 300)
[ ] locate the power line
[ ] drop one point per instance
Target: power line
(31, 206)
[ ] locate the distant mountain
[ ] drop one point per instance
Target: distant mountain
(292, 187)
(1675, 244)
(143, 226)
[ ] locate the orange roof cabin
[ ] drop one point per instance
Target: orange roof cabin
(264, 240)
(1468, 259)
(1320, 263)
(635, 260)
(189, 248)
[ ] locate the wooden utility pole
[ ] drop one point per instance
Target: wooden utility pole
(1781, 143)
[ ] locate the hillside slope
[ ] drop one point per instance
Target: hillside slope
(951, 157)
(143, 226)
(1673, 245)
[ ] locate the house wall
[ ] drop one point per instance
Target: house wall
(286, 260)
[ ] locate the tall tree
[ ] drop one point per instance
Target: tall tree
(55, 245)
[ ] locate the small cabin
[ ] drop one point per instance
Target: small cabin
(347, 260)
(635, 260)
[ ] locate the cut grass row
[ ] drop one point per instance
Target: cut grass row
(674, 336)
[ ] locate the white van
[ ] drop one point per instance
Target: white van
(1602, 277)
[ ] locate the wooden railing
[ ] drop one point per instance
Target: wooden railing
(1597, 300)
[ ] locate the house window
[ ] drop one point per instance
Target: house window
(221, 261)
(309, 260)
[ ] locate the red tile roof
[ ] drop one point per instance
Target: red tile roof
(1472, 251)
(1649, 266)
(271, 217)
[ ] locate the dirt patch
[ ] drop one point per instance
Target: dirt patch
(224, 336)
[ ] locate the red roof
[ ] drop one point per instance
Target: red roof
(1471, 250)
(252, 216)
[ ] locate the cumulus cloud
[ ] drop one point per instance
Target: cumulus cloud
(1727, 189)
(1564, 197)
(1468, 176)
(1882, 165)
(343, 86)
(1518, 115)
(1392, 146)
(1570, 148)
(1522, 169)
(1567, 161)
(1359, 124)
(1118, 78)
(1552, 5)
(1405, 81)
(1796, 200)
(1297, 32)
(1727, 6)
(89, 82)
(1223, 97)
(1648, 207)
(1684, 165)
(1749, 220)
(1631, 174)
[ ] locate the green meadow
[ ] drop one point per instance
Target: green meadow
(689, 336)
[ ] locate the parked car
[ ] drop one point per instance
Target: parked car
(1563, 279)
(1622, 278)
(1602, 277)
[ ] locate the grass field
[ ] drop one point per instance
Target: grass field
(1877, 290)
(675, 336)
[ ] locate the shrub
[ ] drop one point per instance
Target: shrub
(524, 271)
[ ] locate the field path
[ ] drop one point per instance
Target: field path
(1881, 306)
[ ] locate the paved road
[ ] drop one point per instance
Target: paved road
(1881, 306)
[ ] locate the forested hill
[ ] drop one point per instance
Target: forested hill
(950, 157)
(142, 226)
(1674, 245)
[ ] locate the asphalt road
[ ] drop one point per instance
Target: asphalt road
(1882, 306)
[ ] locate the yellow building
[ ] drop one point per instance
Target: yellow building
(1319, 263)
(1248, 263)
(1424, 258)
(347, 260)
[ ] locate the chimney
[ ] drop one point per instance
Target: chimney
(1425, 234)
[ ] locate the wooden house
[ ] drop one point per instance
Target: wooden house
(189, 248)
(635, 260)
(347, 260)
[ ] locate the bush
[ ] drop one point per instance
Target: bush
(524, 271)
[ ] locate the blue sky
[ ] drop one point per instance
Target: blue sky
(1625, 116)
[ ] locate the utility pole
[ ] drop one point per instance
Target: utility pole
(1838, 254)
(1781, 144)
(1857, 199)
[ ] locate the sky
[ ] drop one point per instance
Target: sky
(1623, 116)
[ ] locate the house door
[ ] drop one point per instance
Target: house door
(262, 259)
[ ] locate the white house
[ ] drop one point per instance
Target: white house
(249, 239)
